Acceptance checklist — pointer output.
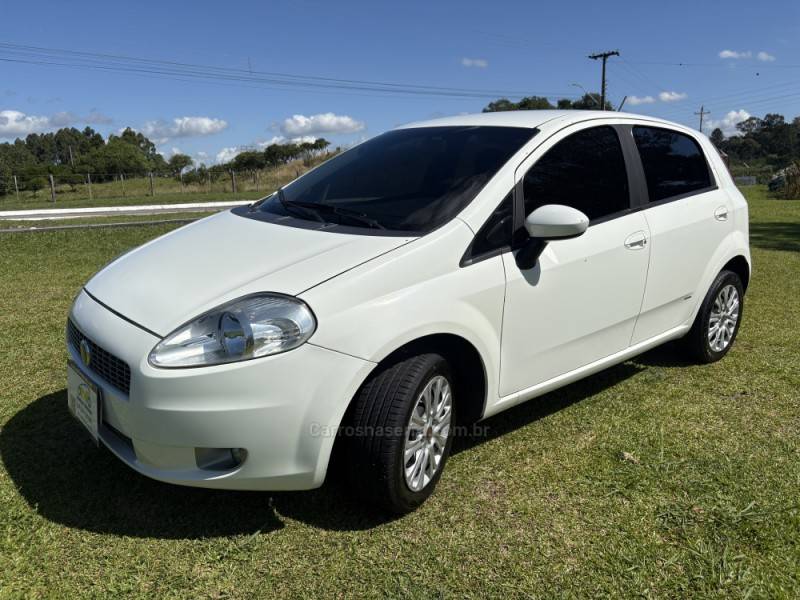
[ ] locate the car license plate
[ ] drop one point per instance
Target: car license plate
(83, 400)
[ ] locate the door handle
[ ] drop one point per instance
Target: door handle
(721, 214)
(636, 241)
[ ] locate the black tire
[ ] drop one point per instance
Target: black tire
(377, 431)
(696, 341)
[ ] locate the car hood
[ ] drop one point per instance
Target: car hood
(176, 277)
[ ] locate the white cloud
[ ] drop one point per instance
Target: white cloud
(279, 139)
(67, 118)
(202, 158)
(95, 117)
(191, 126)
(63, 119)
(14, 123)
(728, 123)
(478, 63)
(735, 54)
(167, 152)
(183, 127)
(300, 125)
(636, 100)
(276, 139)
(228, 154)
(672, 96)
(746, 54)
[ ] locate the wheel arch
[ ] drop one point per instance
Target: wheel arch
(739, 265)
(469, 369)
(734, 254)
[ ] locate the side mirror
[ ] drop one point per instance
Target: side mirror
(546, 224)
(556, 222)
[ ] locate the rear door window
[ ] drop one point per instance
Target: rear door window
(674, 164)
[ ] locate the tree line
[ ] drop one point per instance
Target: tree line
(69, 154)
(589, 101)
(770, 143)
(761, 144)
(270, 157)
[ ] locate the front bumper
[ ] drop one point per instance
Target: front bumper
(283, 409)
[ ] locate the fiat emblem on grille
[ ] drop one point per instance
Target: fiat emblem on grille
(86, 352)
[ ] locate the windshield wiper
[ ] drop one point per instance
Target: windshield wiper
(292, 206)
(317, 208)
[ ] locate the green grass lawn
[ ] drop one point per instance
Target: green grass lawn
(656, 478)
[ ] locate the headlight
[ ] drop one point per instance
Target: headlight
(247, 328)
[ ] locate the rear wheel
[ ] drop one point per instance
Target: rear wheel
(401, 432)
(717, 322)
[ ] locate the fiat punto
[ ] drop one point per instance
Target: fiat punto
(421, 281)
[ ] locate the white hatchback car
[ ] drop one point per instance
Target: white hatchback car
(436, 274)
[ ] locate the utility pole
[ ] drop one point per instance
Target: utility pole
(604, 56)
(702, 114)
(71, 159)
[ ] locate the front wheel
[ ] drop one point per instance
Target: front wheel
(717, 322)
(401, 432)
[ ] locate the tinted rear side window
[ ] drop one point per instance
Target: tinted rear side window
(585, 171)
(673, 163)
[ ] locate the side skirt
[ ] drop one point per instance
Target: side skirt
(560, 381)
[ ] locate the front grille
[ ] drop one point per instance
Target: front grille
(104, 364)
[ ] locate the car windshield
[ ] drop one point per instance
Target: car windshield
(410, 180)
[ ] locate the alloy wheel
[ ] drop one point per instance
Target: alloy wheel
(723, 319)
(428, 430)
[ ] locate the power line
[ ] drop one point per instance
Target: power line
(626, 64)
(748, 98)
(760, 65)
(128, 64)
(191, 72)
(630, 80)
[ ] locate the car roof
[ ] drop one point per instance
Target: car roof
(535, 119)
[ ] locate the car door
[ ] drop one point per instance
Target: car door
(688, 216)
(579, 303)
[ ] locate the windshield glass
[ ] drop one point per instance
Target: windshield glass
(404, 180)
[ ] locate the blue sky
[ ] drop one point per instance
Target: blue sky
(736, 58)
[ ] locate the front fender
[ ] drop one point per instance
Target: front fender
(376, 308)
